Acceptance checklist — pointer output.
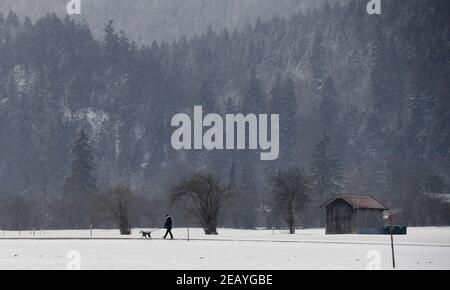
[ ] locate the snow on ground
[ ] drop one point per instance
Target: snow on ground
(422, 248)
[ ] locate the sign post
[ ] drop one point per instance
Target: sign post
(387, 215)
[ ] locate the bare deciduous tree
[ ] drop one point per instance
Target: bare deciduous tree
(115, 204)
(202, 195)
(290, 193)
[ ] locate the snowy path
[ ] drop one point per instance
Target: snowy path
(423, 248)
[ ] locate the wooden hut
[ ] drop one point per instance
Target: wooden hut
(354, 214)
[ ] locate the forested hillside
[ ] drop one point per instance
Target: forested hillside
(364, 105)
(163, 20)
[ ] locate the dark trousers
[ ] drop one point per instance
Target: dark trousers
(169, 231)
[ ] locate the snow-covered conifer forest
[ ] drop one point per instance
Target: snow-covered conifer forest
(86, 103)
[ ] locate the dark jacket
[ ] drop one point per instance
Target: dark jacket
(168, 224)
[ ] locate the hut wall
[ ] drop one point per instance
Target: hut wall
(341, 218)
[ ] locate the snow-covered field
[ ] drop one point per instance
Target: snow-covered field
(422, 248)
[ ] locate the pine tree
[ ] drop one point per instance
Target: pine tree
(80, 187)
(288, 119)
(206, 97)
(328, 106)
(83, 177)
(232, 178)
(275, 104)
(111, 43)
(255, 98)
(283, 102)
(317, 61)
(326, 171)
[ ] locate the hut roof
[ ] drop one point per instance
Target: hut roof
(358, 201)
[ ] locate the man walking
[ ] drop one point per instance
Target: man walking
(168, 227)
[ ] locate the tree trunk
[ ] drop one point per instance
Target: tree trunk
(123, 220)
(210, 227)
(292, 229)
(291, 220)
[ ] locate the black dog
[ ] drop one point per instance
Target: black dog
(147, 235)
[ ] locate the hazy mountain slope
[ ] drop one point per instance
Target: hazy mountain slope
(376, 86)
(148, 20)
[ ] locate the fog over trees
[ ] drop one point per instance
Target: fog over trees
(364, 107)
(163, 20)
